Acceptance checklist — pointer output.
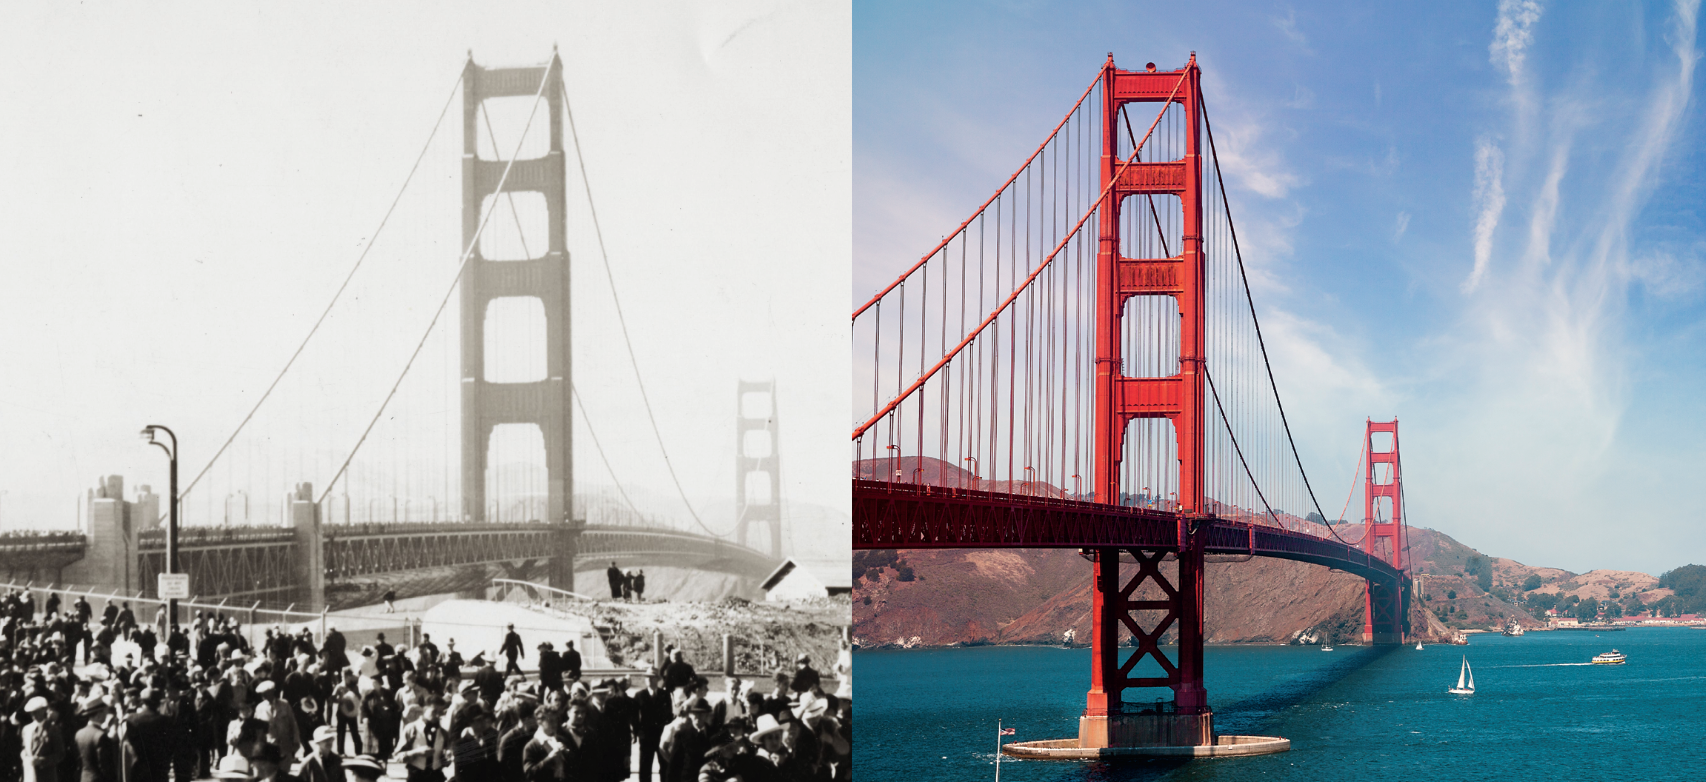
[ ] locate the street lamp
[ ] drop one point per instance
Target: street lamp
(148, 433)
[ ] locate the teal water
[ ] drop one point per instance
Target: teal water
(1354, 713)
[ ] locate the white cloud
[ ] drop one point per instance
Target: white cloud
(1402, 225)
(1512, 35)
(1489, 200)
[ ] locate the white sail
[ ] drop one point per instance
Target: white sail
(1470, 671)
(1461, 672)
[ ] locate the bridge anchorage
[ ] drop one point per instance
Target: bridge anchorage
(1079, 365)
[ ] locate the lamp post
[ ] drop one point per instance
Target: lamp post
(148, 434)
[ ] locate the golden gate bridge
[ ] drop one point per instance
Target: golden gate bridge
(1079, 364)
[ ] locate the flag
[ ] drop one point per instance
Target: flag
(1007, 731)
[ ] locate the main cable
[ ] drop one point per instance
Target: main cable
(623, 323)
(335, 296)
(461, 268)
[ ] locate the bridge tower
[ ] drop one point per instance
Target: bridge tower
(764, 461)
(1119, 400)
(545, 403)
(1386, 614)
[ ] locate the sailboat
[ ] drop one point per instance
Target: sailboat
(1463, 676)
(1418, 646)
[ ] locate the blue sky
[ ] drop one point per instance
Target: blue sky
(1481, 218)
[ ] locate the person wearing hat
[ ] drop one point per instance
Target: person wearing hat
(769, 736)
(323, 763)
(806, 677)
(685, 742)
(511, 649)
(571, 661)
(733, 757)
(476, 749)
(44, 745)
(487, 678)
(614, 575)
(617, 726)
(678, 673)
(279, 716)
(423, 744)
(96, 748)
(655, 713)
(379, 712)
(233, 766)
(150, 738)
(550, 667)
(363, 768)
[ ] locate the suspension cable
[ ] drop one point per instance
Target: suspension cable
(461, 268)
(645, 400)
(335, 296)
(601, 457)
(1233, 230)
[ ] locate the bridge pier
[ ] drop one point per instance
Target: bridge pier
(310, 548)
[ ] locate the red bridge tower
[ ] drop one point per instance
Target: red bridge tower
(1386, 617)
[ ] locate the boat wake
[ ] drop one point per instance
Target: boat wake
(1540, 665)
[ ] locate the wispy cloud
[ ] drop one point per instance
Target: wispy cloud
(1512, 34)
(1400, 226)
(1287, 25)
(1489, 201)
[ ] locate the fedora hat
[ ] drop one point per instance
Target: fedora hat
(767, 725)
(233, 766)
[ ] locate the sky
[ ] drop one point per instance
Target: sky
(1478, 218)
(184, 189)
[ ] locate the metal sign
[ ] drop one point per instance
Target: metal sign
(174, 586)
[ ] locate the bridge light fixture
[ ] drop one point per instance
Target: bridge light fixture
(150, 435)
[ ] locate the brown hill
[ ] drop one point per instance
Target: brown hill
(972, 597)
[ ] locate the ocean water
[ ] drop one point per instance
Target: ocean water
(1354, 713)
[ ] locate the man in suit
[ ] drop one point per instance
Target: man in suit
(550, 668)
(96, 747)
(150, 739)
(44, 747)
(513, 744)
(654, 712)
(684, 751)
(571, 662)
(511, 649)
(323, 763)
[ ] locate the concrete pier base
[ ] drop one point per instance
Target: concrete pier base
(1146, 730)
(1222, 747)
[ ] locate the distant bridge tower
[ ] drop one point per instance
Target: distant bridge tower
(1386, 615)
(545, 402)
(758, 458)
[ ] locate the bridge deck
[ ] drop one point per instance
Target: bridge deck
(899, 515)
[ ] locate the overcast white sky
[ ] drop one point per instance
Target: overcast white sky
(183, 189)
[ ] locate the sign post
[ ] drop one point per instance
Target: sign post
(173, 586)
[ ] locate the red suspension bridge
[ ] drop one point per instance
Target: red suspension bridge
(1079, 365)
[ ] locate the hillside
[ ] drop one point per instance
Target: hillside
(972, 597)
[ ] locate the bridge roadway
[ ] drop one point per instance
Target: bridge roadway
(361, 562)
(902, 515)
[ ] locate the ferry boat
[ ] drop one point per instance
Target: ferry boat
(1612, 657)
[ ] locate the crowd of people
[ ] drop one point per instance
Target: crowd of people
(203, 702)
(626, 584)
